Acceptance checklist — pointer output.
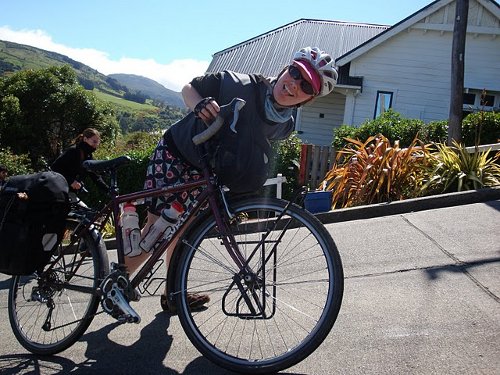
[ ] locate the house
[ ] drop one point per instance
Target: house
(406, 67)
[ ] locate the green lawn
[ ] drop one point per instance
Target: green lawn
(126, 104)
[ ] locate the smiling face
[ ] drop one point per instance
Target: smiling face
(287, 91)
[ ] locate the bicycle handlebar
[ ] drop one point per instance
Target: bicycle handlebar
(232, 108)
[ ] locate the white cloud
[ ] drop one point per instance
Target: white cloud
(173, 75)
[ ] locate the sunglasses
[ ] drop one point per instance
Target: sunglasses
(305, 86)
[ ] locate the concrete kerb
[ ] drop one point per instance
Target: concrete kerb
(397, 207)
(410, 205)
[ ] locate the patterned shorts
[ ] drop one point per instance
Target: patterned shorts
(164, 169)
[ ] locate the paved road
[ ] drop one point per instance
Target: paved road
(422, 296)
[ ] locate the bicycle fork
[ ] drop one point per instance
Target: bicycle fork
(248, 296)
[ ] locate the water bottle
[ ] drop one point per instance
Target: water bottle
(131, 234)
(162, 227)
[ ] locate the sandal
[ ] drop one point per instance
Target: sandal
(196, 302)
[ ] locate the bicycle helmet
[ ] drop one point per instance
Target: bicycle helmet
(322, 63)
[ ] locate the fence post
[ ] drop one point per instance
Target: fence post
(315, 162)
(303, 166)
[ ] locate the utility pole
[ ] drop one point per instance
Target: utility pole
(457, 71)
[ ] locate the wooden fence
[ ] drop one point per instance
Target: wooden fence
(315, 161)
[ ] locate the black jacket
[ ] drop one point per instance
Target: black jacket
(69, 164)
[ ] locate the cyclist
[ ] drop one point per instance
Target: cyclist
(310, 74)
(69, 163)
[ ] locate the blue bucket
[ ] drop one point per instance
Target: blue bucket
(318, 201)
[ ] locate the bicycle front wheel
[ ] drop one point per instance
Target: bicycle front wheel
(50, 310)
(277, 309)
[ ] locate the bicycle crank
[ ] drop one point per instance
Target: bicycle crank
(116, 294)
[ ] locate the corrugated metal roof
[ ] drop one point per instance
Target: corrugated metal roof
(270, 52)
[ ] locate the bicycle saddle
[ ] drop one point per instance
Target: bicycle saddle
(103, 165)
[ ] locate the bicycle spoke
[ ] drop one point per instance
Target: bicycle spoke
(50, 311)
(276, 309)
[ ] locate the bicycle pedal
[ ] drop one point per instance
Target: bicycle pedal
(125, 318)
(115, 304)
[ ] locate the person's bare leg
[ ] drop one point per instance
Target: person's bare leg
(133, 263)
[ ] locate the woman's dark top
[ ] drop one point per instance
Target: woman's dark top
(69, 164)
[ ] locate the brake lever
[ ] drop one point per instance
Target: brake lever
(234, 108)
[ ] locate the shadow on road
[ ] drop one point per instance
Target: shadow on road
(5, 284)
(494, 204)
(31, 364)
(104, 356)
(433, 272)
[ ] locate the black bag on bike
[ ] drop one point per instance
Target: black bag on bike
(33, 210)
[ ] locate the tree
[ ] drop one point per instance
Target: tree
(42, 111)
(457, 71)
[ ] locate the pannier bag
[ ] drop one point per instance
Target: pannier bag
(33, 210)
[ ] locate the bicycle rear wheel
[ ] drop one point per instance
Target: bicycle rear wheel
(278, 310)
(50, 311)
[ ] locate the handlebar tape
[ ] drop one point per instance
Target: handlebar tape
(226, 110)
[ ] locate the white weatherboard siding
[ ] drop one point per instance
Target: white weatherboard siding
(319, 118)
(482, 63)
(416, 66)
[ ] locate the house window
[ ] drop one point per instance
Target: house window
(383, 103)
(469, 98)
(479, 101)
(487, 100)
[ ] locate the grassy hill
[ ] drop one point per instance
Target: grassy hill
(137, 114)
(150, 88)
(15, 57)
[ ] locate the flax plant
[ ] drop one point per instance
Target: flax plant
(453, 169)
(374, 172)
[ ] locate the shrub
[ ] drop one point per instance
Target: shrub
(434, 132)
(374, 171)
(454, 169)
(139, 147)
(341, 133)
(481, 128)
(390, 124)
(287, 162)
(15, 164)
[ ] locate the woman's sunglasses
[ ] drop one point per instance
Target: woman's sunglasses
(305, 86)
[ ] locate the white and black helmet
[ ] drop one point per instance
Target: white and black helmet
(323, 64)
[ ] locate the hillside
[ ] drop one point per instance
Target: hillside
(145, 105)
(150, 88)
(15, 57)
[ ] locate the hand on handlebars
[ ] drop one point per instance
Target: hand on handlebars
(207, 110)
(78, 187)
(231, 109)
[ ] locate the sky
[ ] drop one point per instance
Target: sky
(170, 41)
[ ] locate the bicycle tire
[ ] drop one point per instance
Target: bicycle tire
(299, 288)
(70, 290)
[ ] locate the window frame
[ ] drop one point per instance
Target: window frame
(380, 94)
